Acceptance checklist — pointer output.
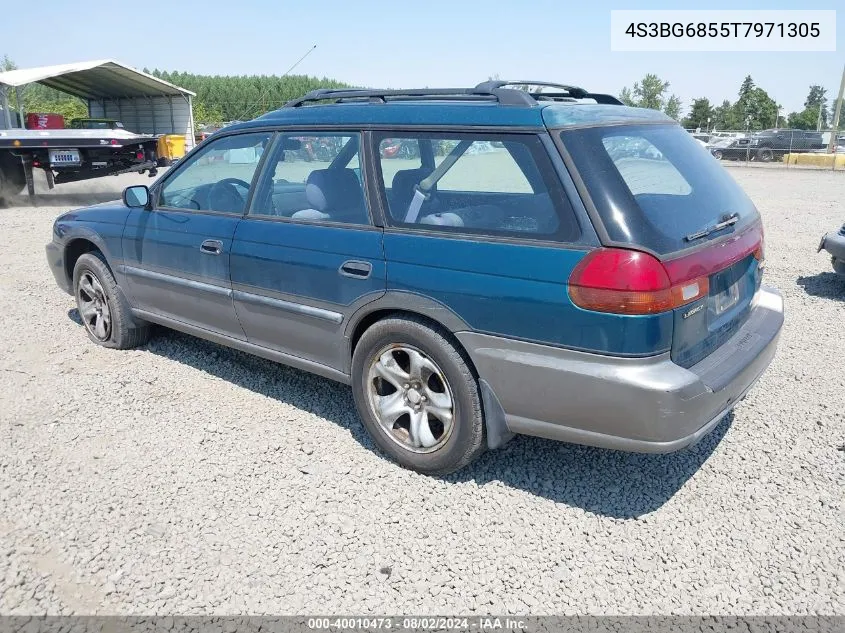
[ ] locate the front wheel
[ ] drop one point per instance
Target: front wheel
(417, 396)
(765, 155)
(104, 311)
(717, 155)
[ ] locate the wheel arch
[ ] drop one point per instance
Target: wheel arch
(403, 304)
(75, 249)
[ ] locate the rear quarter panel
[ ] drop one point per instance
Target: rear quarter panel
(515, 290)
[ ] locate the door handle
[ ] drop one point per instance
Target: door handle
(356, 269)
(211, 247)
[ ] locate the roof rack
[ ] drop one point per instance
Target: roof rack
(496, 90)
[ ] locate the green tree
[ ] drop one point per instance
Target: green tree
(673, 107)
(755, 109)
(700, 115)
(626, 97)
(815, 111)
(204, 114)
(651, 93)
(723, 116)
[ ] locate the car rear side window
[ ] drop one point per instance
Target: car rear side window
(490, 184)
(654, 185)
(313, 178)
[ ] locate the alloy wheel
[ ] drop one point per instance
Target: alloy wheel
(93, 306)
(411, 398)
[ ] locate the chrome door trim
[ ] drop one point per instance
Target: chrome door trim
(289, 306)
(176, 281)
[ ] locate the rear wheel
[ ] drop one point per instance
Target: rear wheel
(417, 396)
(104, 312)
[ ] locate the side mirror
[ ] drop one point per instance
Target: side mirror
(136, 197)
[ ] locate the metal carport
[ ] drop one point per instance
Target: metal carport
(143, 103)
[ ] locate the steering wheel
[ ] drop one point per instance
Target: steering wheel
(233, 181)
(226, 193)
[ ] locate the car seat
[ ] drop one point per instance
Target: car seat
(334, 194)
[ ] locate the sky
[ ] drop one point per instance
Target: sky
(443, 43)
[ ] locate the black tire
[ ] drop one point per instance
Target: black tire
(466, 440)
(717, 154)
(123, 331)
(12, 176)
(765, 155)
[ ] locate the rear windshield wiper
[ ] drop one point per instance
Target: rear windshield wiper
(728, 221)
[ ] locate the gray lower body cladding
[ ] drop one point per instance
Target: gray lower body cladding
(634, 404)
(834, 243)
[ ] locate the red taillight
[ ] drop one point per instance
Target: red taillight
(629, 282)
(139, 155)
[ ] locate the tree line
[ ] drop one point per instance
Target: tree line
(754, 109)
(240, 98)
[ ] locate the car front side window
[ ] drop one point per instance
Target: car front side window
(217, 178)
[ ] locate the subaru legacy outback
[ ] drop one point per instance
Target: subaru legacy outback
(476, 263)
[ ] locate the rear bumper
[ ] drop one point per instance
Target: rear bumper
(56, 262)
(646, 405)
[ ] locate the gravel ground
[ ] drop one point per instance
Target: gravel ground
(187, 478)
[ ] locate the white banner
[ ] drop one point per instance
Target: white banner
(723, 30)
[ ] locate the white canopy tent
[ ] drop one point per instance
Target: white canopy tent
(143, 103)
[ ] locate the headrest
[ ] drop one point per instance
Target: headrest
(332, 189)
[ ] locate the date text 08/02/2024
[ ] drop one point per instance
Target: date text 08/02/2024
(478, 623)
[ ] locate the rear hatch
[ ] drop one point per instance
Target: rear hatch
(657, 190)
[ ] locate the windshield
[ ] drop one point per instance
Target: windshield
(654, 185)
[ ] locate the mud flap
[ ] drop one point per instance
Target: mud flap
(498, 433)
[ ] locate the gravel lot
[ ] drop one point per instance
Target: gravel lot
(187, 478)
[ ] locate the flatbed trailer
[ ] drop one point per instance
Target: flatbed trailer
(69, 155)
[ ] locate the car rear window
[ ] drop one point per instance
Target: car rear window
(653, 185)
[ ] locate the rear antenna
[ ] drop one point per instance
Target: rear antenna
(310, 50)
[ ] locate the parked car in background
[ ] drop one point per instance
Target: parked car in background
(538, 264)
(834, 244)
(96, 124)
(770, 145)
(718, 145)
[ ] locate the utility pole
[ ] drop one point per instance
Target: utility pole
(835, 131)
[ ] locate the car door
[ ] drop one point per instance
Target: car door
(495, 238)
(307, 254)
(176, 255)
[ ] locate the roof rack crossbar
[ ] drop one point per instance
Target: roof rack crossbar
(488, 90)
